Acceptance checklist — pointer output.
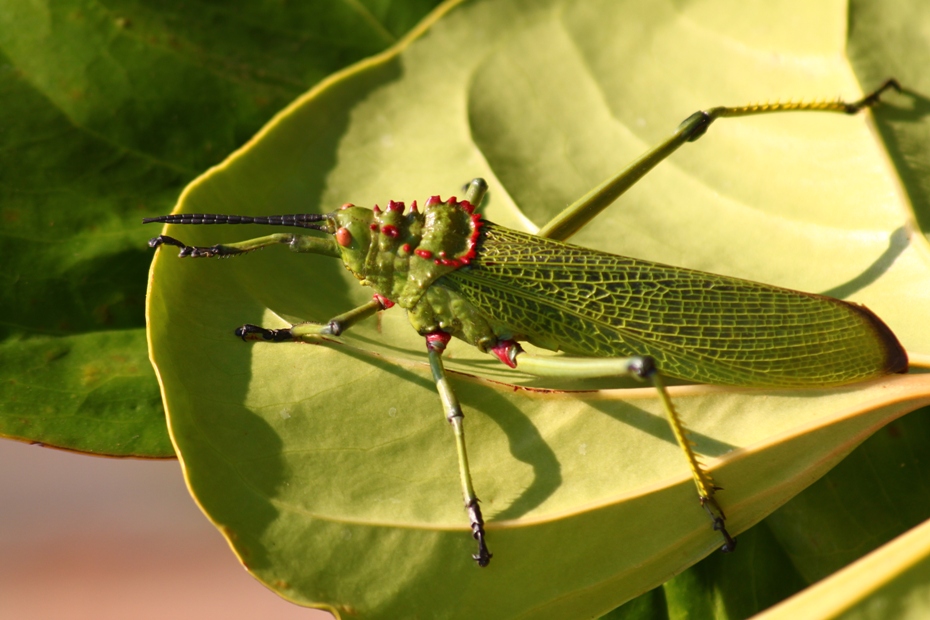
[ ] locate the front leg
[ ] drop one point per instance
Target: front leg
(297, 243)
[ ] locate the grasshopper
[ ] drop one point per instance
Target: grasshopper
(459, 275)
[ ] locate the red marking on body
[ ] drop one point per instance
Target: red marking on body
(472, 241)
(389, 230)
(506, 351)
(405, 248)
(395, 206)
(373, 226)
(343, 237)
(347, 205)
(376, 209)
(384, 301)
(470, 253)
(413, 207)
(437, 340)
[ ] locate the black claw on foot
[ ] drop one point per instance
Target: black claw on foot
(165, 240)
(712, 508)
(729, 543)
(874, 98)
(483, 557)
(191, 251)
(254, 332)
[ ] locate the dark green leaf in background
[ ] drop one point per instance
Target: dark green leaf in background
(107, 110)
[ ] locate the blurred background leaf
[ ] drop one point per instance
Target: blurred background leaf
(107, 110)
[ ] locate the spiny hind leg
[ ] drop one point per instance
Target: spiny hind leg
(586, 208)
(639, 367)
(646, 370)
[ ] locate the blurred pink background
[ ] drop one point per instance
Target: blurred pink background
(86, 537)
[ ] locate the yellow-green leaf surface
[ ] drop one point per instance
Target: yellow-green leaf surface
(330, 468)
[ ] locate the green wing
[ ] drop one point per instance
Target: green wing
(698, 326)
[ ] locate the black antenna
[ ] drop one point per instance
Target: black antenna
(299, 220)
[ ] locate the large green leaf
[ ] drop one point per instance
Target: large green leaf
(328, 467)
(108, 110)
(883, 488)
(879, 491)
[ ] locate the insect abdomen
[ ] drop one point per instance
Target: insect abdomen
(698, 326)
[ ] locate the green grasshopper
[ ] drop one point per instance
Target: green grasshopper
(460, 275)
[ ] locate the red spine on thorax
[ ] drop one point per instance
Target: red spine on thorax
(469, 254)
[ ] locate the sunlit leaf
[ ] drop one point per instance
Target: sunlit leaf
(329, 467)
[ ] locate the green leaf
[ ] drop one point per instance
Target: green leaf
(329, 468)
(892, 582)
(879, 491)
(108, 112)
(738, 585)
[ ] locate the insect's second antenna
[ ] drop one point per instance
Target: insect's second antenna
(299, 220)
